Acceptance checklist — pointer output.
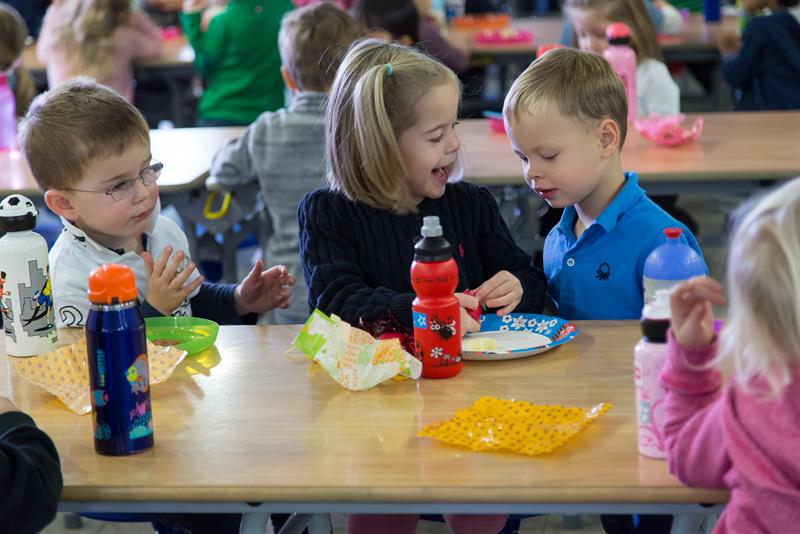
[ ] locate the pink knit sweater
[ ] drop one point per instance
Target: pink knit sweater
(728, 438)
(138, 39)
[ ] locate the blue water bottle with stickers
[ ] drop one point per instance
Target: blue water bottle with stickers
(119, 378)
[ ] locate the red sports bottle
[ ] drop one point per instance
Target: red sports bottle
(436, 311)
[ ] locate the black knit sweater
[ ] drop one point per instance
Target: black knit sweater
(356, 259)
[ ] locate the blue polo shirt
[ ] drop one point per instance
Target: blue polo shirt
(599, 275)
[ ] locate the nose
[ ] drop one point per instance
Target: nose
(453, 143)
(532, 173)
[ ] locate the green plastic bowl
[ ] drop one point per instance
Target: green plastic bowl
(192, 333)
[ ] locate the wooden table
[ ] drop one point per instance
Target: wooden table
(175, 53)
(256, 426)
(185, 152)
(734, 152)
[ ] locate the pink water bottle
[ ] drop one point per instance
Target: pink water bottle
(623, 59)
(8, 115)
(649, 357)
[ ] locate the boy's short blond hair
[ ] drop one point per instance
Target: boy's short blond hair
(71, 126)
(581, 85)
(312, 41)
(372, 101)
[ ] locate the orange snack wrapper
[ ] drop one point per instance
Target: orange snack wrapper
(492, 424)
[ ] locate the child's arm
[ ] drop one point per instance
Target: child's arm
(45, 40)
(336, 282)
(30, 473)
(233, 163)
(694, 412)
(738, 67)
(499, 252)
(209, 46)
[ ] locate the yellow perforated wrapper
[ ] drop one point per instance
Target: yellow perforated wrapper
(518, 426)
(63, 372)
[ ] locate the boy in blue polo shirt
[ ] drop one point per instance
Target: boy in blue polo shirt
(566, 117)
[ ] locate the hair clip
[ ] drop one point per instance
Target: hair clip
(389, 69)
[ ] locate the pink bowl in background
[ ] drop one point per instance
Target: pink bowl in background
(667, 130)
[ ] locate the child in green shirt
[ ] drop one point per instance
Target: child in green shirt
(238, 56)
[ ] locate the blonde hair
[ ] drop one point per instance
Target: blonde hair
(312, 41)
(13, 33)
(86, 28)
(69, 127)
(372, 101)
(762, 336)
(581, 85)
(634, 14)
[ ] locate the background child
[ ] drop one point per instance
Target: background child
(566, 117)
(13, 33)
(656, 91)
(284, 150)
(743, 437)
(410, 22)
(89, 150)
(30, 473)
(97, 38)
(391, 149)
(238, 57)
(765, 72)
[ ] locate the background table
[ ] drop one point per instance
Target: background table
(256, 426)
(186, 153)
(734, 152)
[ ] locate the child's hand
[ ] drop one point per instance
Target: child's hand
(6, 405)
(468, 304)
(166, 287)
(503, 291)
(263, 290)
(692, 320)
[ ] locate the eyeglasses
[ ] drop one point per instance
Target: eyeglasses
(124, 188)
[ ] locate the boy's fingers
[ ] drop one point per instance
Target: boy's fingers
(161, 262)
(488, 286)
(504, 288)
(191, 286)
(174, 264)
(180, 279)
(508, 309)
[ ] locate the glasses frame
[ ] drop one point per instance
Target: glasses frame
(155, 167)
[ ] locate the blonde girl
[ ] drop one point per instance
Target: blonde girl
(393, 158)
(743, 437)
(97, 38)
(656, 91)
(13, 34)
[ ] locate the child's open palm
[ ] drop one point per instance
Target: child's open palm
(262, 290)
(692, 320)
(166, 286)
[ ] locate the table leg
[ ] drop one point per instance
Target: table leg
(256, 523)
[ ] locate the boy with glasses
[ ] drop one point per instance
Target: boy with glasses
(89, 150)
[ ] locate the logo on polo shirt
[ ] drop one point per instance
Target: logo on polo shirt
(603, 272)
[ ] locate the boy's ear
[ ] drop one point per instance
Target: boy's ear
(59, 204)
(609, 137)
(288, 79)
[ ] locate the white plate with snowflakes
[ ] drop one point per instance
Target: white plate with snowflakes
(519, 335)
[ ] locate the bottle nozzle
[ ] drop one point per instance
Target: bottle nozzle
(431, 226)
(673, 233)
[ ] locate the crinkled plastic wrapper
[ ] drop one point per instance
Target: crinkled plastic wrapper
(493, 424)
(352, 357)
(64, 373)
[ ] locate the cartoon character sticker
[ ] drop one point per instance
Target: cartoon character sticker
(137, 375)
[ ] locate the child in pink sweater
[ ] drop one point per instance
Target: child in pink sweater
(96, 38)
(743, 436)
